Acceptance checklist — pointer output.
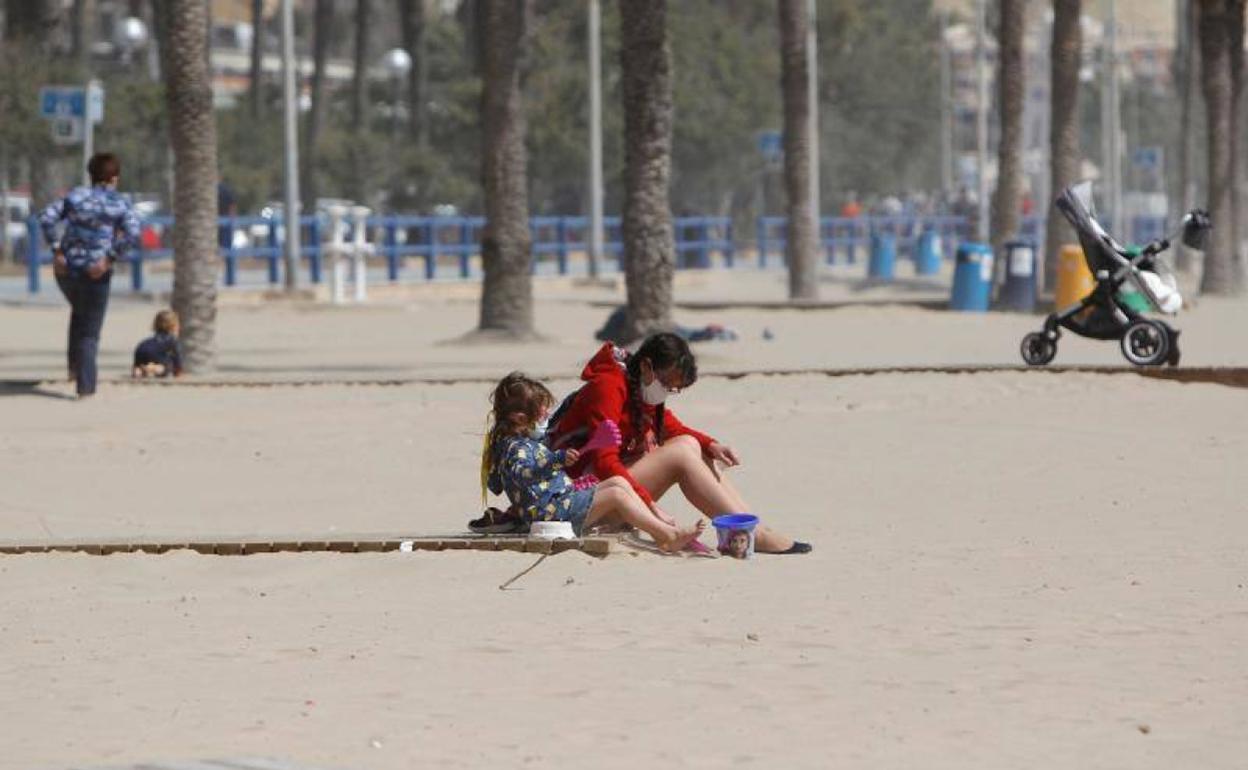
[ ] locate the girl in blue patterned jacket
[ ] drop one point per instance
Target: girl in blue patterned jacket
(515, 461)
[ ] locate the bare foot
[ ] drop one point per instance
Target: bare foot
(683, 536)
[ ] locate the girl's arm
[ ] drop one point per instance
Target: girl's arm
(49, 218)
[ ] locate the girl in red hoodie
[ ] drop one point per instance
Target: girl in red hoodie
(657, 451)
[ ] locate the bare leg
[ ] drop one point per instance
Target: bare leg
(615, 501)
(680, 461)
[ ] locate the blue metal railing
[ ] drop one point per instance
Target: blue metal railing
(434, 240)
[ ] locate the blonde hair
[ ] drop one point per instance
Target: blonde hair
(166, 322)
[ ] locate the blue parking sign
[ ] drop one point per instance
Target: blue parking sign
(62, 102)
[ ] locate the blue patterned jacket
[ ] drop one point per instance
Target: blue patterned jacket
(99, 224)
(532, 475)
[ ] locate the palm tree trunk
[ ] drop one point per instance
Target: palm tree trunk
(192, 130)
(1065, 52)
(412, 22)
(1009, 192)
(649, 243)
(507, 288)
(1215, 68)
(323, 19)
(257, 51)
(794, 79)
(1189, 85)
(1235, 47)
(359, 78)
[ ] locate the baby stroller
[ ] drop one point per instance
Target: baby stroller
(1102, 315)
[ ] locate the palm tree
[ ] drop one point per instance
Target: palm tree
(412, 25)
(1188, 79)
(1065, 52)
(1215, 65)
(1235, 47)
(257, 50)
(649, 243)
(507, 289)
(193, 134)
(28, 30)
(322, 21)
(1009, 192)
(794, 79)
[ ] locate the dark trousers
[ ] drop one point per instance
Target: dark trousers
(88, 300)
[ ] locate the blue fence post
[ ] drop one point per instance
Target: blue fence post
(561, 249)
(136, 267)
(391, 250)
(273, 251)
(465, 238)
(231, 255)
(314, 259)
(730, 244)
(32, 254)
(704, 250)
(431, 252)
(762, 241)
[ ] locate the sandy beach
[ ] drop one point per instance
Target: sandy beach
(1011, 569)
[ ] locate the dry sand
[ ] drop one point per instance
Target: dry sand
(1011, 569)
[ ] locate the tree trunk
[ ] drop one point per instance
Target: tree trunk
(82, 27)
(1215, 65)
(1065, 53)
(359, 78)
(192, 131)
(801, 247)
(28, 26)
(649, 243)
(412, 22)
(323, 19)
(1188, 85)
(507, 288)
(1235, 47)
(1009, 193)
(256, 82)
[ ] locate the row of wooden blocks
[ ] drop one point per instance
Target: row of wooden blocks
(594, 546)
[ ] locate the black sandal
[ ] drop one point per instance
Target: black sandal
(496, 522)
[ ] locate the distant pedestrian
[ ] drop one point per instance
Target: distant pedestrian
(160, 355)
(100, 227)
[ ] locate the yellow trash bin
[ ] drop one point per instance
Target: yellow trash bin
(1074, 279)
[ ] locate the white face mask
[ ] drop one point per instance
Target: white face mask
(539, 430)
(655, 393)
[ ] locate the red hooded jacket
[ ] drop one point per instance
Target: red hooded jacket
(605, 397)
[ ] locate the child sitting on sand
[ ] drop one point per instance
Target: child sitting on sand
(160, 355)
(533, 476)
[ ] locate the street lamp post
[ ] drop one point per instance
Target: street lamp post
(595, 141)
(398, 63)
(290, 245)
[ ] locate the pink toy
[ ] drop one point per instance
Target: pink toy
(607, 434)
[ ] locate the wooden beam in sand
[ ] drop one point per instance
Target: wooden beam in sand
(594, 546)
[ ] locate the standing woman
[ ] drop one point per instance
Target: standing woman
(656, 451)
(100, 226)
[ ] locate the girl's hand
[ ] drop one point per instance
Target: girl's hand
(662, 515)
(60, 266)
(570, 456)
(97, 268)
(724, 454)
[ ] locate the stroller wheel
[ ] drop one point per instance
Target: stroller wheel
(1146, 343)
(1038, 349)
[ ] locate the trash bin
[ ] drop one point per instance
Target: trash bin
(1019, 290)
(1074, 279)
(883, 256)
(928, 255)
(972, 278)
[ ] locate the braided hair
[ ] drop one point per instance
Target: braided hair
(664, 351)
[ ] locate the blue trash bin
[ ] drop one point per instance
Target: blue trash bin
(883, 256)
(972, 278)
(928, 256)
(1019, 290)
